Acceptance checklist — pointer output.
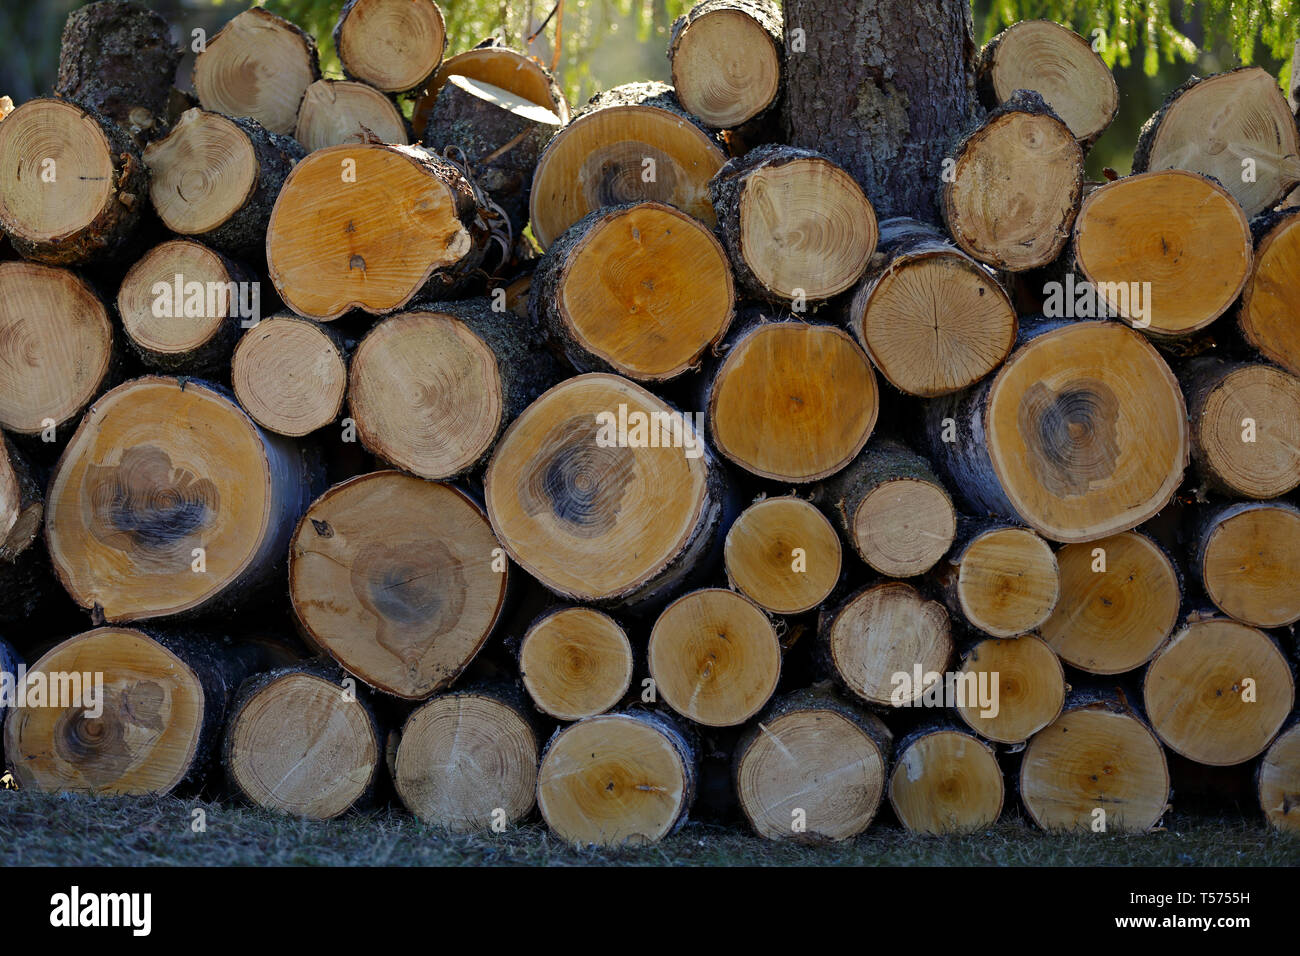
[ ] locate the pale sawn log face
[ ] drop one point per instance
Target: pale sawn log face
(946, 781)
(394, 45)
(1008, 581)
(1279, 781)
(783, 554)
(726, 61)
(575, 662)
(334, 112)
(187, 321)
(1246, 432)
(289, 375)
(903, 527)
(201, 173)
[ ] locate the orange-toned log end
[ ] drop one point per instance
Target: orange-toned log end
(1007, 581)
(946, 781)
(1010, 689)
(783, 554)
(1279, 781)
(497, 66)
(1271, 300)
(1248, 560)
(575, 662)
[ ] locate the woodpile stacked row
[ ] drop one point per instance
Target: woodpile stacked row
(409, 436)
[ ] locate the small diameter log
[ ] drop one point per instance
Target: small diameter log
(1120, 598)
(24, 570)
(1248, 560)
(633, 143)
(1209, 125)
(342, 111)
(604, 493)
(945, 780)
(216, 178)
(397, 579)
(714, 657)
(797, 227)
(1271, 298)
(880, 633)
(1278, 781)
(1009, 690)
(369, 226)
(58, 351)
(467, 761)
(1168, 252)
(1060, 66)
(813, 766)
(892, 509)
(302, 742)
(932, 319)
(258, 66)
(289, 374)
(1002, 580)
(726, 58)
(783, 554)
(1014, 186)
(792, 401)
(169, 498)
(1097, 765)
(394, 45)
(617, 779)
(75, 183)
(1218, 692)
(575, 662)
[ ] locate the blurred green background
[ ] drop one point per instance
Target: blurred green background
(1153, 45)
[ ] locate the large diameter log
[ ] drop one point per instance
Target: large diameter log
(289, 374)
(632, 143)
(575, 662)
(1248, 560)
(399, 580)
(1210, 125)
(1120, 598)
(783, 554)
(1009, 690)
(1082, 434)
(798, 227)
(1218, 691)
(1278, 781)
(640, 289)
(259, 65)
(343, 111)
(1168, 252)
(726, 58)
(945, 780)
(1003, 580)
(604, 493)
(369, 226)
(1014, 186)
(1271, 298)
(169, 498)
(617, 779)
(394, 45)
(714, 657)
(812, 766)
(75, 184)
(932, 319)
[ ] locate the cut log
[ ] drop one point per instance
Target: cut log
(394, 45)
(633, 143)
(432, 391)
(289, 374)
(1271, 299)
(75, 183)
(342, 111)
(1120, 598)
(932, 319)
(575, 662)
(726, 58)
(812, 767)
(1248, 560)
(617, 779)
(369, 226)
(796, 225)
(588, 494)
(783, 555)
(893, 510)
(467, 761)
(1209, 125)
(1278, 781)
(259, 66)
(216, 178)
(1009, 690)
(1218, 692)
(25, 576)
(1098, 766)
(397, 579)
(1002, 580)
(714, 657)
(792, 401)
(881, 632)
(640, 289)
(1014, 186)
(945, 780)
(1060, 66)
(56, 347)
(1168, 252)
(169, 498)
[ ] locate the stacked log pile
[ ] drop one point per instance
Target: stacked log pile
(407, 436)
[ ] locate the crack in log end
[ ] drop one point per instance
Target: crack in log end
(1071, 435)
(578, 481)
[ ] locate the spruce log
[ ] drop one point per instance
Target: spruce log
(394, 45)
(343, 111)
(726, 59)
(1012, 688)
(783, 554)
(1003, 580)
(289, 374)
(1271, 299)
(575, 662)
(945, 780)
(1278, 781)
(1248, 561)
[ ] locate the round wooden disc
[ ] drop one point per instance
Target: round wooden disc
(1279, 781)
(1008, 581)
(394, 577)
(575, 663)
(1030, 688)
(1250, 564)
(714, 657)
(289, 375)
(394, 45)
(340, 111)
(301, 745)
(793, 402)
(21, 512)
(143, 742)
(497, 66)
(947, 782)
(783, 554)
(463, 758)
(1198, 699)
(725, 68)
(179, 328)
(1111, 621)
(1271, 298)
(903, 527)
(1087, 431)
(201, 173)
(1269, 464)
